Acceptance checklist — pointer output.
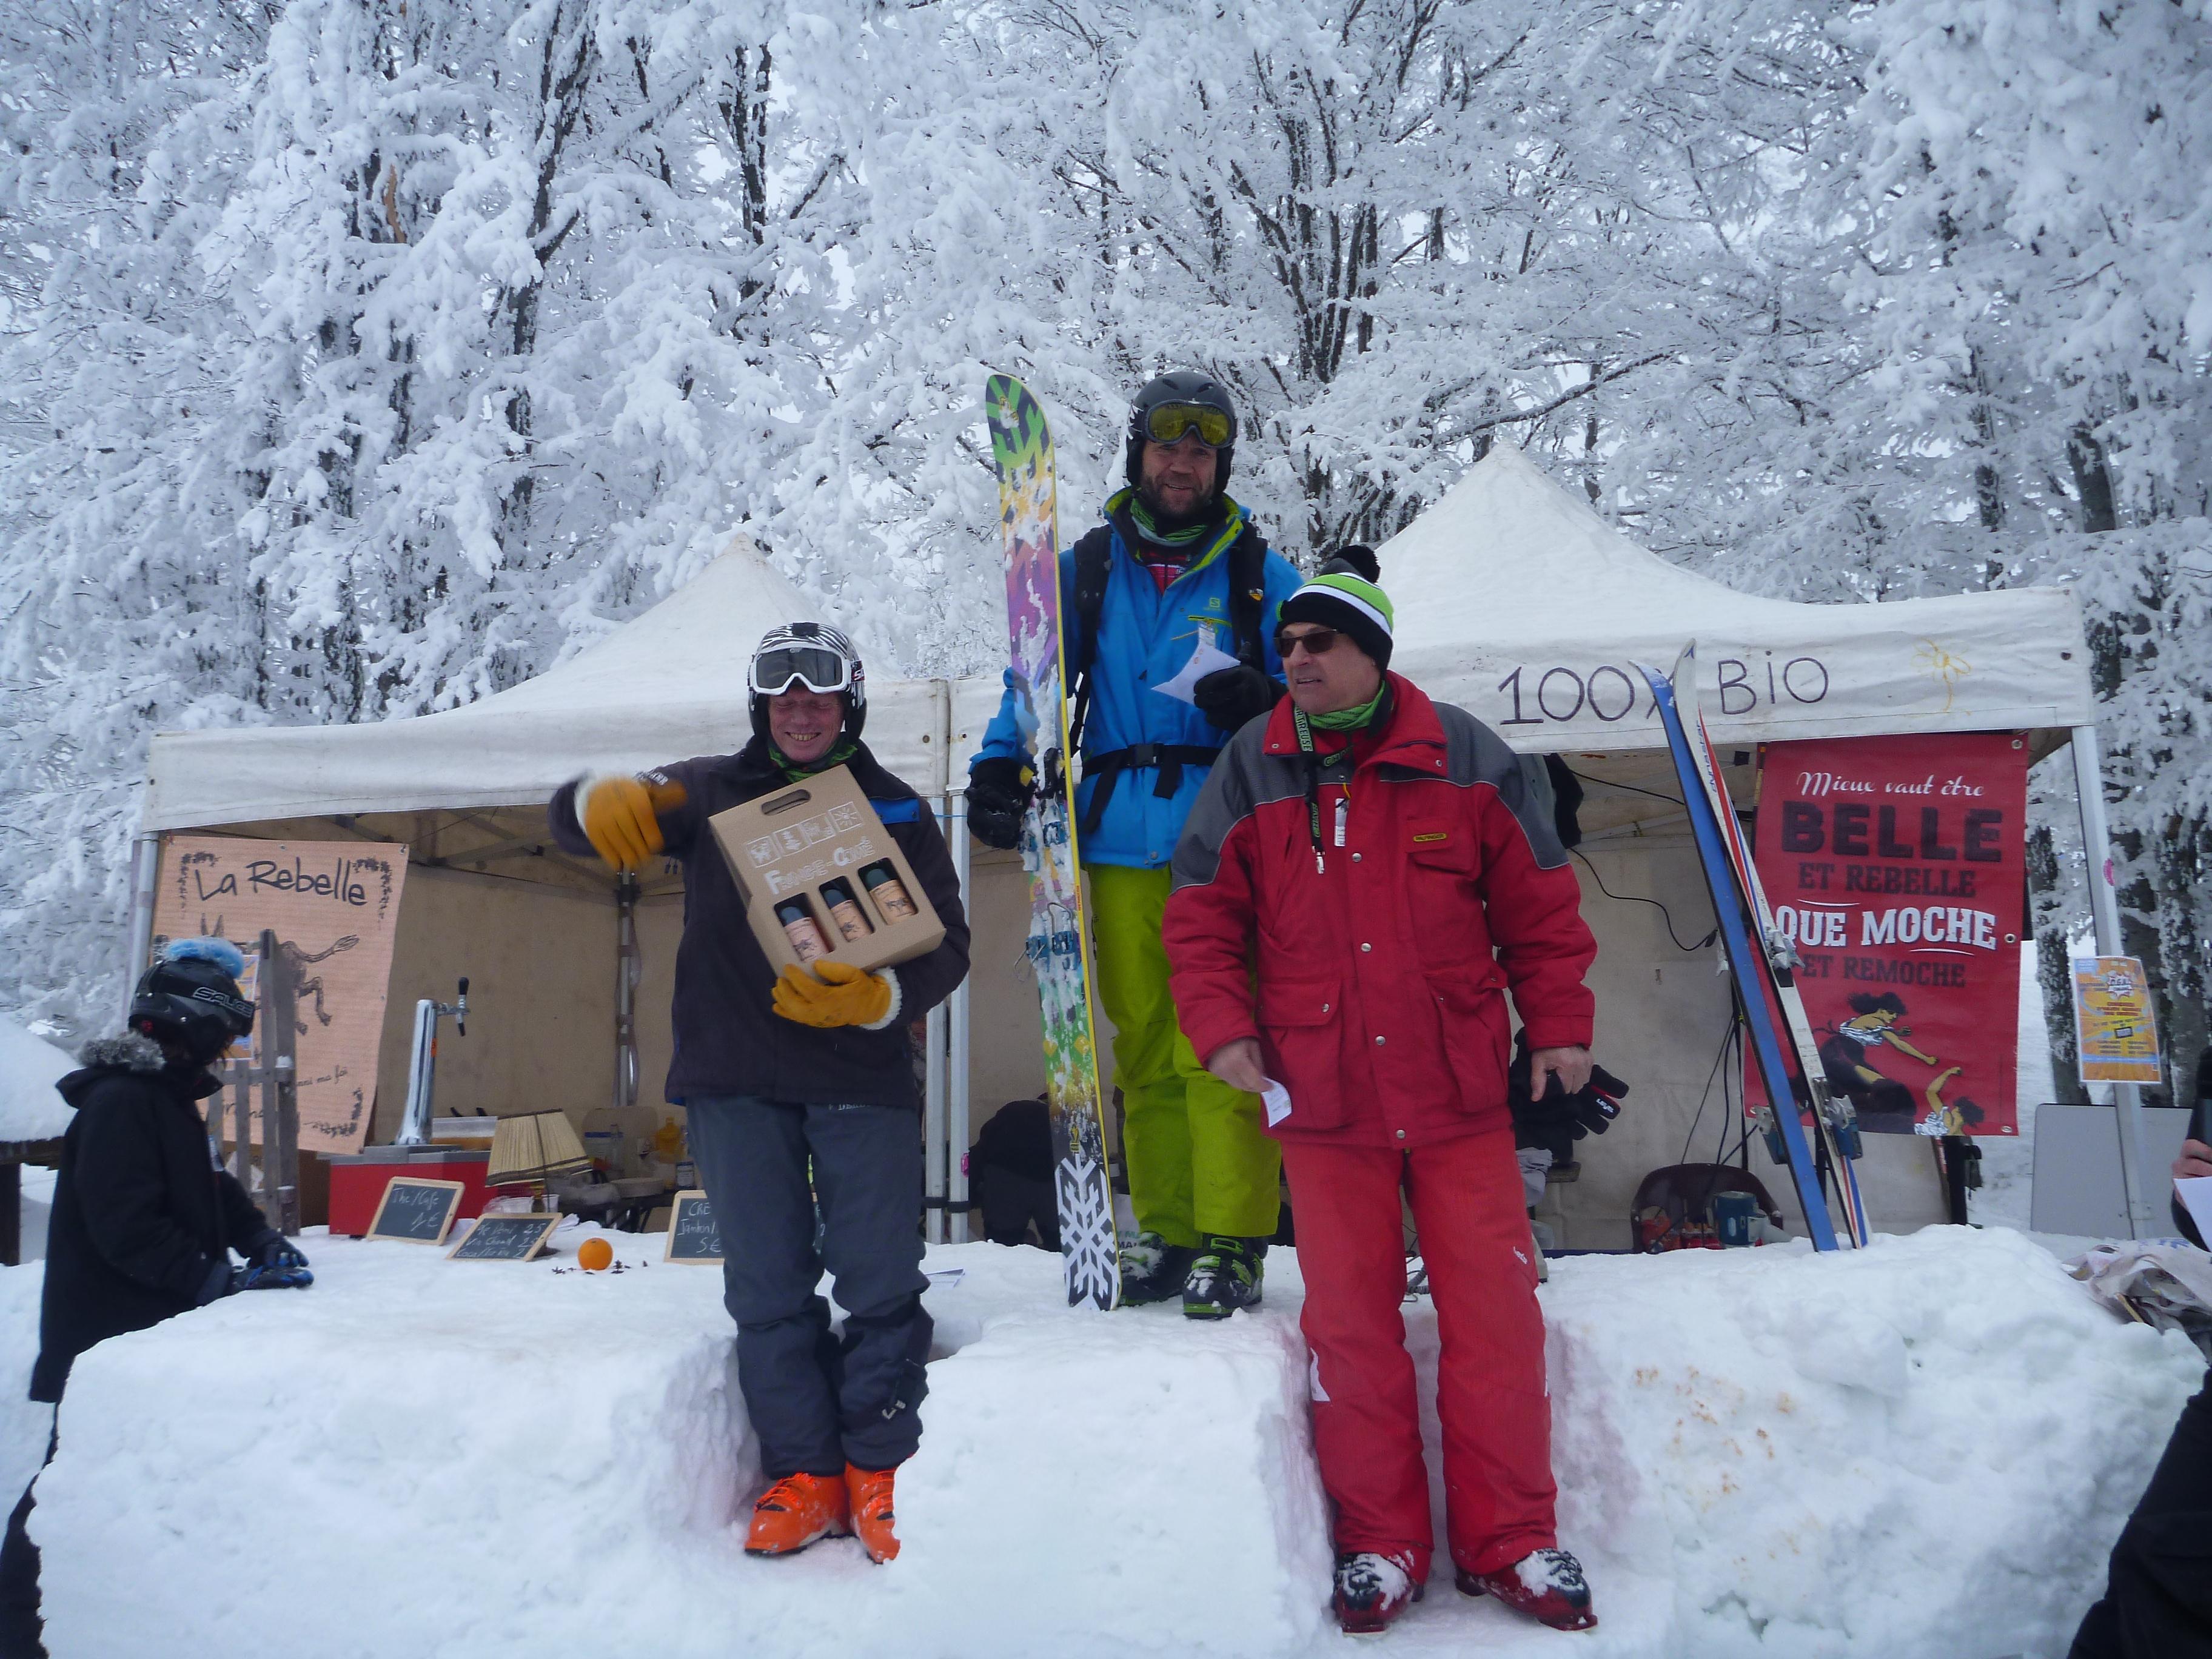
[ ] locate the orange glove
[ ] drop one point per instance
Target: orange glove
(844, 996)
(621, 816)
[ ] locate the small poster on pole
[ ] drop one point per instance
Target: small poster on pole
(2115, 1029)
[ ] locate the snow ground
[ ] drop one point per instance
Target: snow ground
(1922, 1450)
(2009, 1161)
(35, 1197)
(23, 1426)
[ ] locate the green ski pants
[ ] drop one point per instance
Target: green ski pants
(1199, 1161)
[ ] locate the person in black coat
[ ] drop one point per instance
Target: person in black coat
(799, 1090)
(1011, 1174)
(144, 1219)
(2157, 1602)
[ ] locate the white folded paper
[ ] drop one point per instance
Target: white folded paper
(2196, 1193)
(1205, 659)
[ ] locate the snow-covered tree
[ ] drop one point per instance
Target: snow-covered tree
(359, 358)
(2036, 294)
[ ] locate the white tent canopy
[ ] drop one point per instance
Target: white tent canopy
(1513, 600)
(670, 683)
(1517, 602)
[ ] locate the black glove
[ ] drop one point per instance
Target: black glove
(275, 1277)
(1560, 1118)
(1000, 789)
(1230, 696)
(271, 1248)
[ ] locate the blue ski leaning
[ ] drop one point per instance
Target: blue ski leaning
(1746, 963)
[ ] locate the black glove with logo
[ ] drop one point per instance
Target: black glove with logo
(999, 788)
(1559, 1119)
(1230, 696)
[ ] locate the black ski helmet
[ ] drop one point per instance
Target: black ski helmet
(191, 998)
(1181, 385)
(800, 638)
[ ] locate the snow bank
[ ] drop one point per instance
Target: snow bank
(35, 1196)
(23, 1423)
(420, 1456)
(29, 1068)
(1925, 1448)
(1922, 1450)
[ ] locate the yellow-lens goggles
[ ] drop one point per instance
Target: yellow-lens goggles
(1171, 423)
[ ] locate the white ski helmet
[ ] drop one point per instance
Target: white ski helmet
(811, 654)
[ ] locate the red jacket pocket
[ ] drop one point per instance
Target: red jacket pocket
(1471, 1008)
(1301, 1037)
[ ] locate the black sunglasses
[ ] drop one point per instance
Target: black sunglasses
(1319, 643)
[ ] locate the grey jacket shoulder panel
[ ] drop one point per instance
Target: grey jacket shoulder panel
(1244, 777)
(1475, 754)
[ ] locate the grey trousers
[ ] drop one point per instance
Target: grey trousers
(819, 1402)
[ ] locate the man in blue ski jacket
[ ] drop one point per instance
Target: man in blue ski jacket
(1177, 578)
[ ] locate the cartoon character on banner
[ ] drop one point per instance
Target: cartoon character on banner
(1884, 1105)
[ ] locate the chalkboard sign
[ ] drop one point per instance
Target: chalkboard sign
(692, 1234)
(504, 1238)
(415, 1210)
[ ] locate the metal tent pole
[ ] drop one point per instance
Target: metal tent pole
(2105, 909)
(933, 1102)
(145, 871)
(628, 969)
(956, 1129)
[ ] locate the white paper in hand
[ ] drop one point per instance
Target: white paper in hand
(1205, 659)
(2196, 1193)
(1277, 1101)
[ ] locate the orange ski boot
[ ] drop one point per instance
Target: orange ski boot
(795, 1511)
(871, 1490)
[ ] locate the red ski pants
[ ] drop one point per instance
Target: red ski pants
(1469, 1207)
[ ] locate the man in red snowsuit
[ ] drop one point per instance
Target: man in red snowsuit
(1365, 874)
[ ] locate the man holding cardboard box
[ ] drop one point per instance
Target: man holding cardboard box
(781, 1067)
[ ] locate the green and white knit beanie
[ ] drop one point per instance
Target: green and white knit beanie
(1346, 598)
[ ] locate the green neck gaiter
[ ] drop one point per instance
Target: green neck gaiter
(841, 751)
(1351, 720)
(1141, 516)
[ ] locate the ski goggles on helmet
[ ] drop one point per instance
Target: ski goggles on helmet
(1171, 423)
(817, 667)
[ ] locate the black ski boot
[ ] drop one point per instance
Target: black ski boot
(1225, 1277)
(1152, 1270)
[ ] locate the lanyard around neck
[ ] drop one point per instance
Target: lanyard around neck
(1315, 761)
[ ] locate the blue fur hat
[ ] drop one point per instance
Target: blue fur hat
(220, 951)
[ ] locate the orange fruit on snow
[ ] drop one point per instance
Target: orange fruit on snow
(595, 1254)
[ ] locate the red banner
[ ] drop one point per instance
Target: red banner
(1897, 864)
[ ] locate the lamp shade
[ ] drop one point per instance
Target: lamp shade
(534, 1146)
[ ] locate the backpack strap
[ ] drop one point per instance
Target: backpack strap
(1248, 596)
(1094, 557)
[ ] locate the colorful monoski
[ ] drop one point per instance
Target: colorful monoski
(1058, 934)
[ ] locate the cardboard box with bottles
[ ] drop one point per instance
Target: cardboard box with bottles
(822, 877)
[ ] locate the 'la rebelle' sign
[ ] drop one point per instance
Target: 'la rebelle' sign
(332, 906)
(1896, 865)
